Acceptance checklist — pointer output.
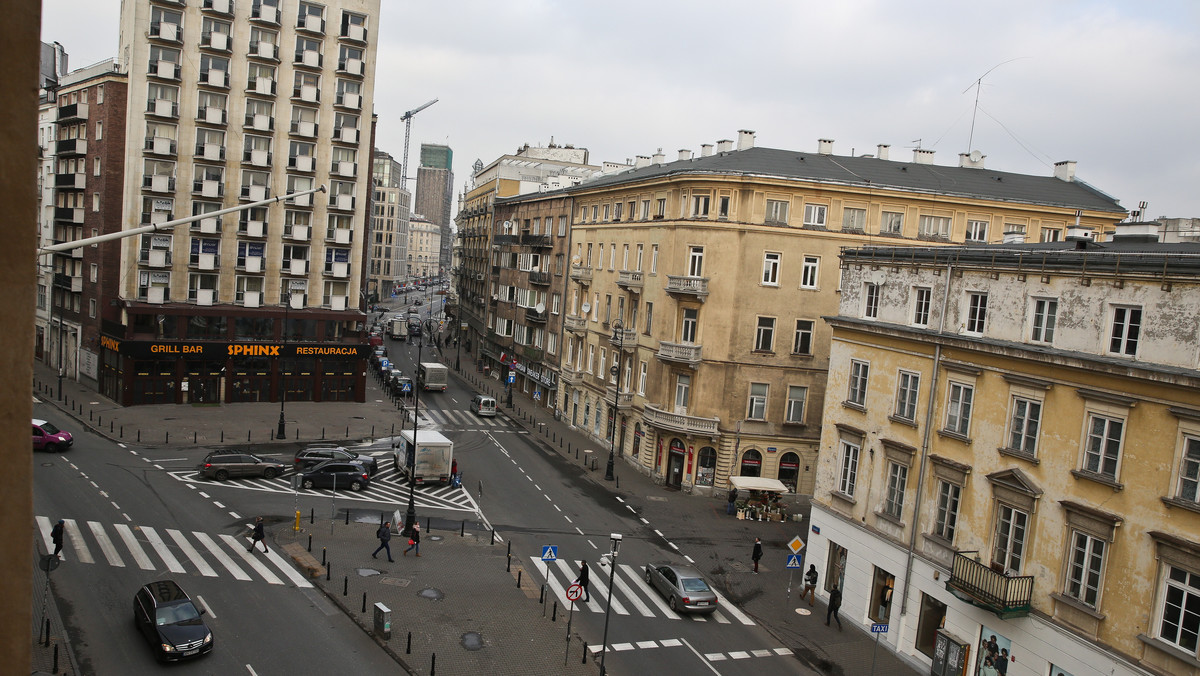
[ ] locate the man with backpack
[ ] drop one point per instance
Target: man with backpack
(385, 540)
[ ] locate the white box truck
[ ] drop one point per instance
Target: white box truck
(397, 329)
(431, 376)
(433, 456)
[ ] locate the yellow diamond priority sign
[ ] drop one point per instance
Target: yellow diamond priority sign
(796, 545)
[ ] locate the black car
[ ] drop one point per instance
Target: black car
(222, 465)
(166, 616)
(336, 474)
(314, 455)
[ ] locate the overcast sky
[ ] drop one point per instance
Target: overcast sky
(1113, 85)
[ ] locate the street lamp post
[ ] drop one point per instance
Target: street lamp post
(615, 542)
(410, 515)
(618, 338)
(281, 432)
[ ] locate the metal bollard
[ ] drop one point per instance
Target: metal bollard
(122, 431)
(139, 436)
(345, 585)
(428, 524)
(408, 649)
(46, 642)
(310, 543)
(90, 412)
(554, 613)
(347, 516)
(493, 536)
(328, 569)
(195, 434)
(54, 669)
(247, 436)
(110, 427)
(347, 431)
(310, 515)
(372, 431)
(222, 436)
(542, 599)
(433, 665)
(462, 529)
(322, 433)
(364, 602)
(584, 660)
(508, 566)
(167, 437)
(522, 570)
(322, 556)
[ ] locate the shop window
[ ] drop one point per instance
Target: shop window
(751, 463)
(883, 584)
(835, 567)
(706, 466)
(933, 616)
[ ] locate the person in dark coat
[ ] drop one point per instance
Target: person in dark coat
(414, 539)
(385, 540)
(258, 535)
(757, 554)
(733, 495)
(582, 581)
(56, 535)
(810, 584)
(835, 602)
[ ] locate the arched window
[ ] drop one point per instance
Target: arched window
(751, 463)
(637, 438)
(706, 467)
(789, 470)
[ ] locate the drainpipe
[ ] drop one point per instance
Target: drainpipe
(925, 439)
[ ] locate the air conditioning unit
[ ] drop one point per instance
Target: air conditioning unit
(205, 296)
(156, 294)
(252, 299)
(253, 264)
(337, 302)
(206, 261)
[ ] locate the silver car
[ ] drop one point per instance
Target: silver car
(682, 586)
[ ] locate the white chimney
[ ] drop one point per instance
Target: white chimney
(1014, 237)
(642, 161)
(724, 145)
(745, 139)
(1065, 170)
(659, 158)
(1136, 231)
(1079, 233)
(922, 156)
(971, 160)
(825, 146)
(705, 149)
(881, 151)
(684, 154)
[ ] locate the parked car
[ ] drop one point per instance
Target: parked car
(393, 376)
(47, 437)
(682, 586)
(313, 455)
(166, 616)
(222, 465)
(336, 474)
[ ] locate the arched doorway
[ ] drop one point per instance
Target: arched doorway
(751, 463)
(789, 470)
(706, 468)
(675, 463)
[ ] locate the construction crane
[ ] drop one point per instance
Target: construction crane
(407, 117)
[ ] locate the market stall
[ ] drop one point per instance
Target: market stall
(759, 498)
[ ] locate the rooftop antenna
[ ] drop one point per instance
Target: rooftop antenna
(978, 85)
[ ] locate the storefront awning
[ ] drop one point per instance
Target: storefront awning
(754, 483)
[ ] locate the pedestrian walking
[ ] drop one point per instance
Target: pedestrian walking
(732, 500)
(56, 535)
(385, 540)
(258, 535)
(453, 468)
(810, 584)
(757, 554)
(835, 602)
(582, 581)
(414, 539)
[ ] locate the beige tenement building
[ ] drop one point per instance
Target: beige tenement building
(719, 268)
(1010, 460)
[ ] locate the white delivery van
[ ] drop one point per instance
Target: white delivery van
(483, 406)
(431, 376)
(433, 456)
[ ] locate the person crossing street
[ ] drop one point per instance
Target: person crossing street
(258, 535)
(582, 581)
(56, 534)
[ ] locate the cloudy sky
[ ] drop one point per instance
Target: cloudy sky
(1112, 85)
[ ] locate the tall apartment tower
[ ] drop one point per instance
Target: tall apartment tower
(435, 189)
(388, 252)
(231, 103)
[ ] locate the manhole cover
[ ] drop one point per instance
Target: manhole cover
(395, 581)
(368, 572)
(435, 538)
(472, 641)
(803, 612)
(431, 594)
(656, 498)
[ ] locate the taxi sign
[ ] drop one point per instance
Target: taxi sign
(796, 545)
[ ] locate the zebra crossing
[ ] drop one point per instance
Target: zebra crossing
(631, 593)
(465, 420)
(146, 548)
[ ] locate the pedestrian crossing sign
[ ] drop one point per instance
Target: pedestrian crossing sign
(796, 545)
(549, 552)
(537, 395)
(793, 561)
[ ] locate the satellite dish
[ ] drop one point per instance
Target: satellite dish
(587, 307)
(540, 307)
(508, 224)
(575, 260)
(976, 156)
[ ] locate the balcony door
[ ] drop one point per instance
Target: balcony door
(683, 387)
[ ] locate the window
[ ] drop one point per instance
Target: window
(1045, 316)
(1051, 234)
(976, 312)
(777, 211)
(859, 370)
(891, 222)
(947, 510)
(1086, 564)
(723, 207)
(700, 206)
(849, 468)
(99, 130)
(758, 402)
(1103, 449)
(808, 272)
(649, 317)
(921, 300)
(612, 256)
(616, 211)
(687, 329)
(854, 219)
(907, 387)
(802, 343)
(796, 398)
(653, 259)
(645, 213)
(814, 215)
(976, 231)
(958, 409)
(660, 210)
(1189, 470)
(683, 386)
(1011, 527)
(934, 226)
(871, 301)
(1023, 429)
(695, 261)
(1180, 616)
(764, 336)
(893, 505)
(1126, 327)
(771, 268)
(95, 201)
(562, 226)
(641, 387)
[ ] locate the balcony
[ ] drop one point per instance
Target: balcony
(630, 281)
(349, 100)
(264, 86)
(346, 135)
(162, 108)
(680, 422)
(539, 278)
(679, 353)
(260, 122)
(344, 169)
(301, 163)
(73, 111)
(214, 78)
(208, 188)
(530, 353)
(532, 316)
(160, 145)
(542, 241)
(73, 146)
(312, 23)
(257, 157)
(624, 400)
(212, 115)
(570, 375)
(575, 324)
(504, 239)
(307, 93)
(163, 69)
(626, 338)
(256, 193)
(688, 286)
(350, 67)
(309, 58)
(581, 274)
(342, 202)
(215, 41)
(264, 50)
(70, 181)
(304, 128)
(979, 585)
(265, 13)
(168, 32)
(219, 6)
(161, 183)
(297, 233)
(355, 32)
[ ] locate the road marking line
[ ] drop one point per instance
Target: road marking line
(564, 515)
(115, 505)
(739, 615)
(647, 644)
(204, 495)
(106, 545)
(44, 528)
(592, 605)
(618, 647)
(133, 451)
(103, 494)
(126, 517)
(556, 507)
(602, 590)
(620, 500)
(135, 549)
(702, 658)
(235, 515)
(160, 547)
(145, 459)
(193, 555)
(250, 558)
(643, 520)
(721, 619)
(548, 499)
(673, 546)
(783, 651)
(632, 596)
(739, 655)
(94, 484)
(539, 488)
(579, 531)
(715, 657)
(640, 582)
(218, 505)
(157, 466)
(215, 549)
(292, 574)
(670, 643)
(593, 544)
(76, 538)
(659, 533)
(689, 559)
(761, 653)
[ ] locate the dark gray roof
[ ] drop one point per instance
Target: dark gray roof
(881, 174)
